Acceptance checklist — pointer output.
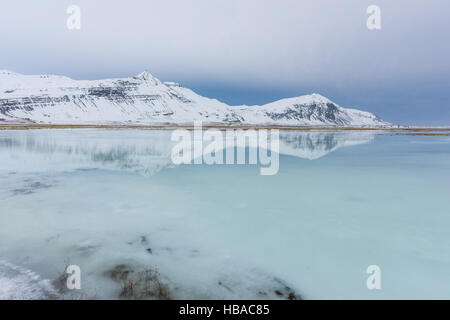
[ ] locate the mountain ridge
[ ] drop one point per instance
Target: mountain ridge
(144, 99)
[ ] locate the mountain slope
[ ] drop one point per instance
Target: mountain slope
(144, 99)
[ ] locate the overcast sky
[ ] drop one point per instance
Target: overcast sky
(248, 51)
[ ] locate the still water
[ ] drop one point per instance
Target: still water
(113, 203)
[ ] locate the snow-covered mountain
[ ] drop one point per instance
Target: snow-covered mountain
(144, 99)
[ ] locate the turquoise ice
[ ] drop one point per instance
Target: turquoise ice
(341, 201)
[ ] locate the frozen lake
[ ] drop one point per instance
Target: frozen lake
(112, 202)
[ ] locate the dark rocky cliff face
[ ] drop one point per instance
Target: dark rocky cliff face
(327, 113)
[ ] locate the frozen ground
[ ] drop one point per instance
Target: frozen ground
(17, 283)
(112, 203)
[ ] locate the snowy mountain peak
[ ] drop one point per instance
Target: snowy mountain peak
(144, 99)
(319, 97)
(144, 75)
(147, 76)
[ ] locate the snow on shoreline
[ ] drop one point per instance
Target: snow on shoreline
(17, 283)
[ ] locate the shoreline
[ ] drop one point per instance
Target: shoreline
(409, 130)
